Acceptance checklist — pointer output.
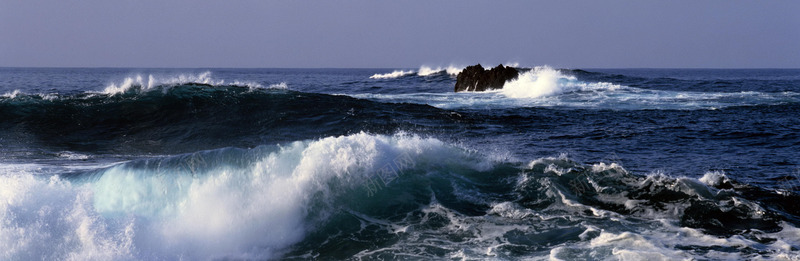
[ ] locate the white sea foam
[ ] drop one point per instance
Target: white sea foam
(280, 86)
(392, 75)
(714, 178)
(50, 219)
(151, 81)
(663, 238)
(43, 96)
(660, 244)
(654, 239)
(72, 155)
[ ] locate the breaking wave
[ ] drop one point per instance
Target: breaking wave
(392, 75)
(451, 70)
(227, 203)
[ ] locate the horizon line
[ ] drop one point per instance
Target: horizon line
(364, 68)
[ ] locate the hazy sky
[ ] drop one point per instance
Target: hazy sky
(572, 34)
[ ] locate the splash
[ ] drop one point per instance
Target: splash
(545, 81)
(452, 70)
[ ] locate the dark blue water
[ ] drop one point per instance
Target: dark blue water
(381, 164)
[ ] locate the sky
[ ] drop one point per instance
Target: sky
(399, 34)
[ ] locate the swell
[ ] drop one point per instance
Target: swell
(195, 116)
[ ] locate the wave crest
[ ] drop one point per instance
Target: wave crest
(451, 70)
(227, 203)
(11, 95)
(149, 82)
(392, 75)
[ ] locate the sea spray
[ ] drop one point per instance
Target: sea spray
(545, 81)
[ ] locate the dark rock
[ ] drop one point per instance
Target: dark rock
(476, 79)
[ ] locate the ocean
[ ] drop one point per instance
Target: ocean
(374, 164)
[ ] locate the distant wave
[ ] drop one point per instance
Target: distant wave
(11, 95)
(281, 86)
(151, 81)
(391, 75)
(140, 84)
(423, 71)
(544, 86)
(188, 117)
(450, 70)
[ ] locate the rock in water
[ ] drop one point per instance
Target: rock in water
(476, 79)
